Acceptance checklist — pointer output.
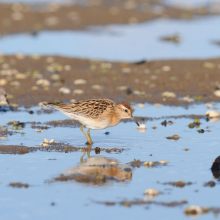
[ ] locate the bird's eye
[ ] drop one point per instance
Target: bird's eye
(126, 110)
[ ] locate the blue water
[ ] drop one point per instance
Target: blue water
(123, 42)
(78, 201)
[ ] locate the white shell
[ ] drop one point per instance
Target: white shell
(142, 126)
(52, 141)
(80, 81)
(169, 94)
(217, 93)
(65, 90)
(46, 141)
(163, 161)
(212, 114)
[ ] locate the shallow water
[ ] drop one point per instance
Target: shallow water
(124, 42)
(79, 200)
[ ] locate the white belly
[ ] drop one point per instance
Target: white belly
(90, 123)
(95, 124)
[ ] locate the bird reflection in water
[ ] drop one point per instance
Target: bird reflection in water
(96, 170)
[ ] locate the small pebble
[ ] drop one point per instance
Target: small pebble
(141, 105)
(169, 94)
(163, 161)
(158, 105)
(80, 82)
(151, 193)
(51, 141)
(46, 141)
(65, 90)
(217, 93)
(78, 91)
(193, 211)
(201, 131)
(142, 128)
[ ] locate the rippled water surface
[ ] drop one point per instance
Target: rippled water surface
(48, 198)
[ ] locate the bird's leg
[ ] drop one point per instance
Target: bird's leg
(81, 128)
(88, 133)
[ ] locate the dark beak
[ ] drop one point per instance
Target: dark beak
(133, 119)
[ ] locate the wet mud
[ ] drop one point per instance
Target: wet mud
(55, 147)
(31, 80)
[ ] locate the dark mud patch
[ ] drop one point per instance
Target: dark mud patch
(19, 185)
(179, 184)
(55, 147)
(185, 78)
(22, 18)
(143, 202)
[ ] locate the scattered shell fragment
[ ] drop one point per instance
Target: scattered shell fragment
(34, 88)
(20, 56)
(67, 67)
(55, 77)
(98, 87)
(163, 161)
(65, 90)
(175, 137)
(39, 131)
(141, 105)
(151, 193)
(15, 83)
(126, 70)
(3, 82)
(78, 91)
(166, 68)
(51, 21)
(51, 141)
(193, 211)
(43, 82)
(188, 99)
(217, 93)
(43, 145)
(79, 82)
(212, 114)
(46, 141)
(142, 128)
(169, 94)
(136, 92)
(208, 65)
(158, 105)
(209, 105)
(122, 88)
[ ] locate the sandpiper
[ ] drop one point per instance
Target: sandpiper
(95, 113)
